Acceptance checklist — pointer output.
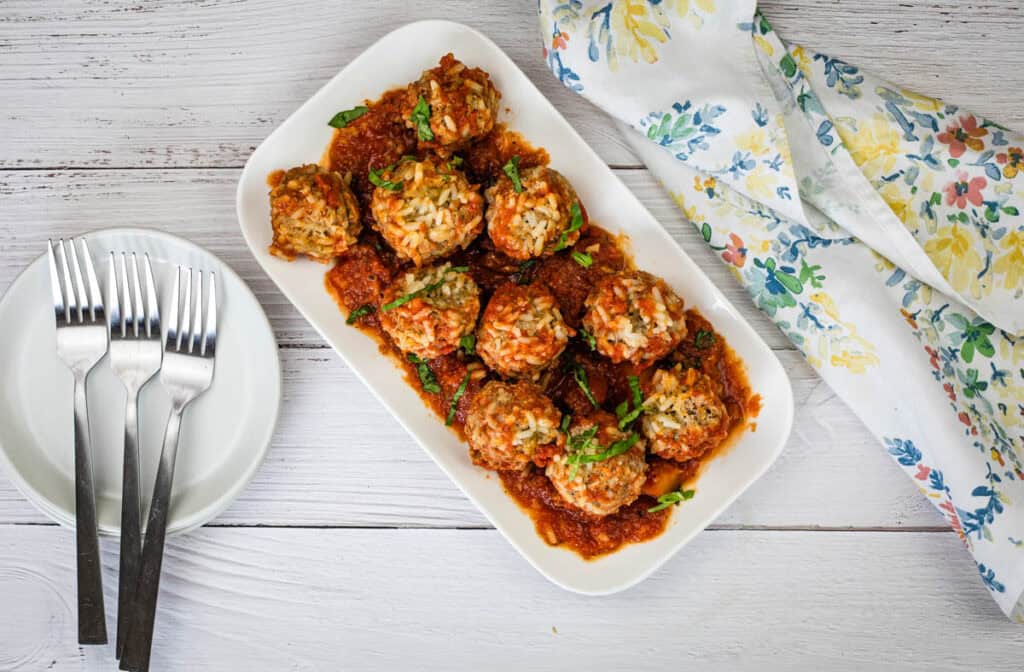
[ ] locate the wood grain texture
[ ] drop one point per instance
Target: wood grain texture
(104, 79)
(291, 599)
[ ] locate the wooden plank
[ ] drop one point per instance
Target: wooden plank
(200, 205)
(260, 599)
(95, 84)
(353, 466)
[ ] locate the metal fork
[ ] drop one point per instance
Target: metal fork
(81, 342)
(135, 355)
(186, 373)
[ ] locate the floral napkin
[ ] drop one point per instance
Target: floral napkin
(879, 228)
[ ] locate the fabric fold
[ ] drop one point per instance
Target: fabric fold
(878, 228)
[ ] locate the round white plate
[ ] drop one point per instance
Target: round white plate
(225, 434)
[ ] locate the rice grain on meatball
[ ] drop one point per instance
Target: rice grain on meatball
(683, 417)
(522, 331)
(537, 221)
(426, 209)
(634, 316)
(427, 310)
(603, 468)
(509, 423)
(451, 105)
(312, 212)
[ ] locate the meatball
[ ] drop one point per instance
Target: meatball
(426, 209)
(603, 468)
(509, 423)
(522, 331)
(683, 416)
(541, 218)
(634, 316)
(312, 212)
(451, 105)
(427, 310)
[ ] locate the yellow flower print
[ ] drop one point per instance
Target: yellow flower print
(753, 141)
(849, 351)
(1011, 263)
(902, 204)
(764, 45)
(874, 146)
(803, 61)
(760, 183)
(923, 103)
(684, 7)
(638, 27)
(953, 253)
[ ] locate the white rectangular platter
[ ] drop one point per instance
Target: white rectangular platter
(399, 58)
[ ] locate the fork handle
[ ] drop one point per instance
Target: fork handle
(139, 642)
(92, 624)
(131, 519)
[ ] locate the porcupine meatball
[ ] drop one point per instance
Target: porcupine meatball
(599, 486)
(312, 212)
(427, 310)
(451, 105)
(683, 417)
(522, 331)
(634, 316)
(510, 423)
(537, 221)
(426, 209)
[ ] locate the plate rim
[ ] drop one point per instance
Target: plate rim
(785, 395)
(67, 518)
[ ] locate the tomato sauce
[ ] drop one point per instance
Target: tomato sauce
(357, 281)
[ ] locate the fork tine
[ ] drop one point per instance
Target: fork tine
(95, 295)
(127, 316)
(210, 336)
(186, 314)
(76, 270)
(172, 317)
(69, 288)
(58, 297)
(113, 304)
(152, 311)
(196, 343)
(140, 316)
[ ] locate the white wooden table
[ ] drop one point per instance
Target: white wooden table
(351, 550)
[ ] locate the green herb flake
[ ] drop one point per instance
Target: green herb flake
(362, 310)
(626, 419)
(468, 344)
(406, 298)
(566, 419)
(459, 269)
(421, 117)
(455, 162)
(455, 400)
(622, 409)
(634, 387)
(704, 339)
(379, 181)
(346, 117)
(427, 379)
(617, 448)
(670, 498)
(522, 274)
(582, 258)
(575, 224)
(589, 338)
(511, 169)
(580, 374)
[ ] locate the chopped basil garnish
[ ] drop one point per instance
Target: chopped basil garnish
(427, 379)
(455, 161)
(627, 418)
(582, 258)
(468, 344)
(580, 374)
(512, 170)
(589, 338)
(574, 225)
(670, 498)
(634, 387)
(617, 448)
(406, 298)
(379, 181)
(421, 117)
(566, 419)
(346, 117)
(704, 339)
(455, 399)
(459, 269)
(364, 309)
